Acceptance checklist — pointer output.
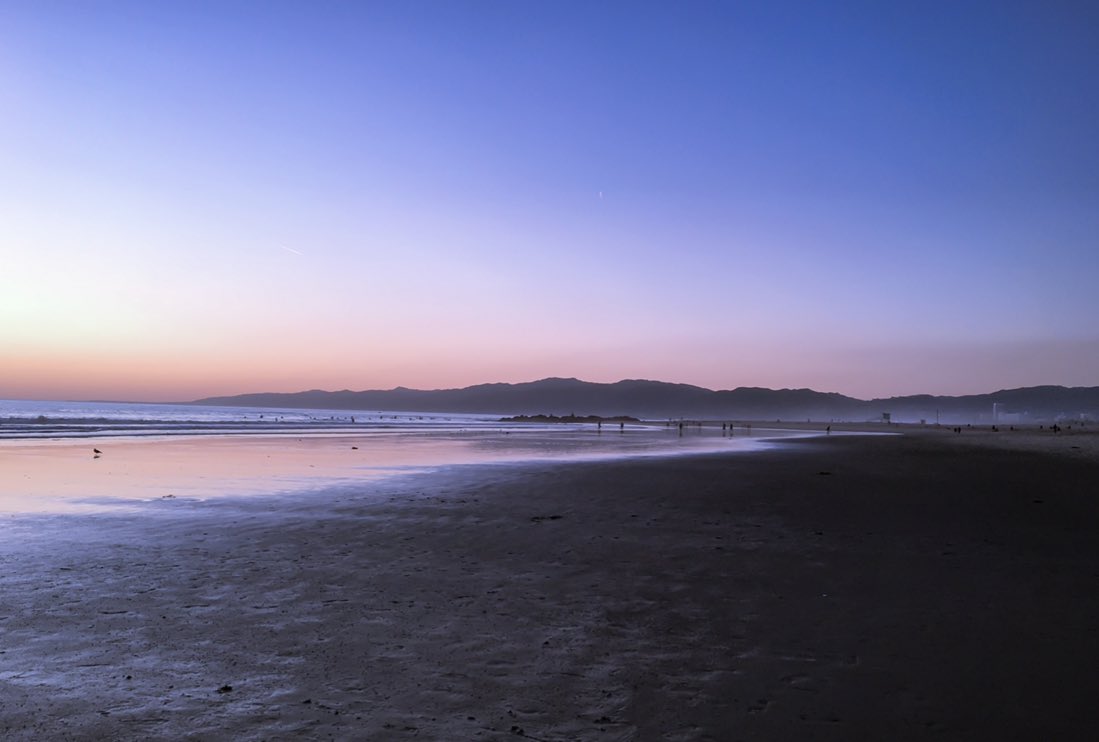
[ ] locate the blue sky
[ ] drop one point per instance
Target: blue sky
(207, 198)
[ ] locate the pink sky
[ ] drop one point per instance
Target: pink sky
(209, 200)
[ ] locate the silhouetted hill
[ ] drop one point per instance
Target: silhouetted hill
(657, 399)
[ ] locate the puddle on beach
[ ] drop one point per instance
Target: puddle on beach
(66, 475)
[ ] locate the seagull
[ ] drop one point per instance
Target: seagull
(96, 450)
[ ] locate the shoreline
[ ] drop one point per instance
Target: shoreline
(87, 474)
(827, 588)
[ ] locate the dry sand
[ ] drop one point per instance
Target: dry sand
(840, 588)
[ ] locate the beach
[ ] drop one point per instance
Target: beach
(915, 586)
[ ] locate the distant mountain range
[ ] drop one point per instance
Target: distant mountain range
(661, 400)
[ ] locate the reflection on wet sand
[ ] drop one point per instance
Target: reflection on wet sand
(70, 475)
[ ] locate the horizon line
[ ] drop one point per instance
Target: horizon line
(398, 388)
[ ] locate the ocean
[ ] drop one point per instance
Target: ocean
(25, 419)
(57, 455)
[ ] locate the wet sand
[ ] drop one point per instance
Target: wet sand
(889, 587)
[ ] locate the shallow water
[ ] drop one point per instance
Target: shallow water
(64, 474)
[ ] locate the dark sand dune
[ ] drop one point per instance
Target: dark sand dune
(836, 588)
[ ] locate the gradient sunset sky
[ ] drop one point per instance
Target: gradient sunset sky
(202, 198)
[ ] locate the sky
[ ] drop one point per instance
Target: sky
(209, 198)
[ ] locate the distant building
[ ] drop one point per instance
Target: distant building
(1001, 415)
